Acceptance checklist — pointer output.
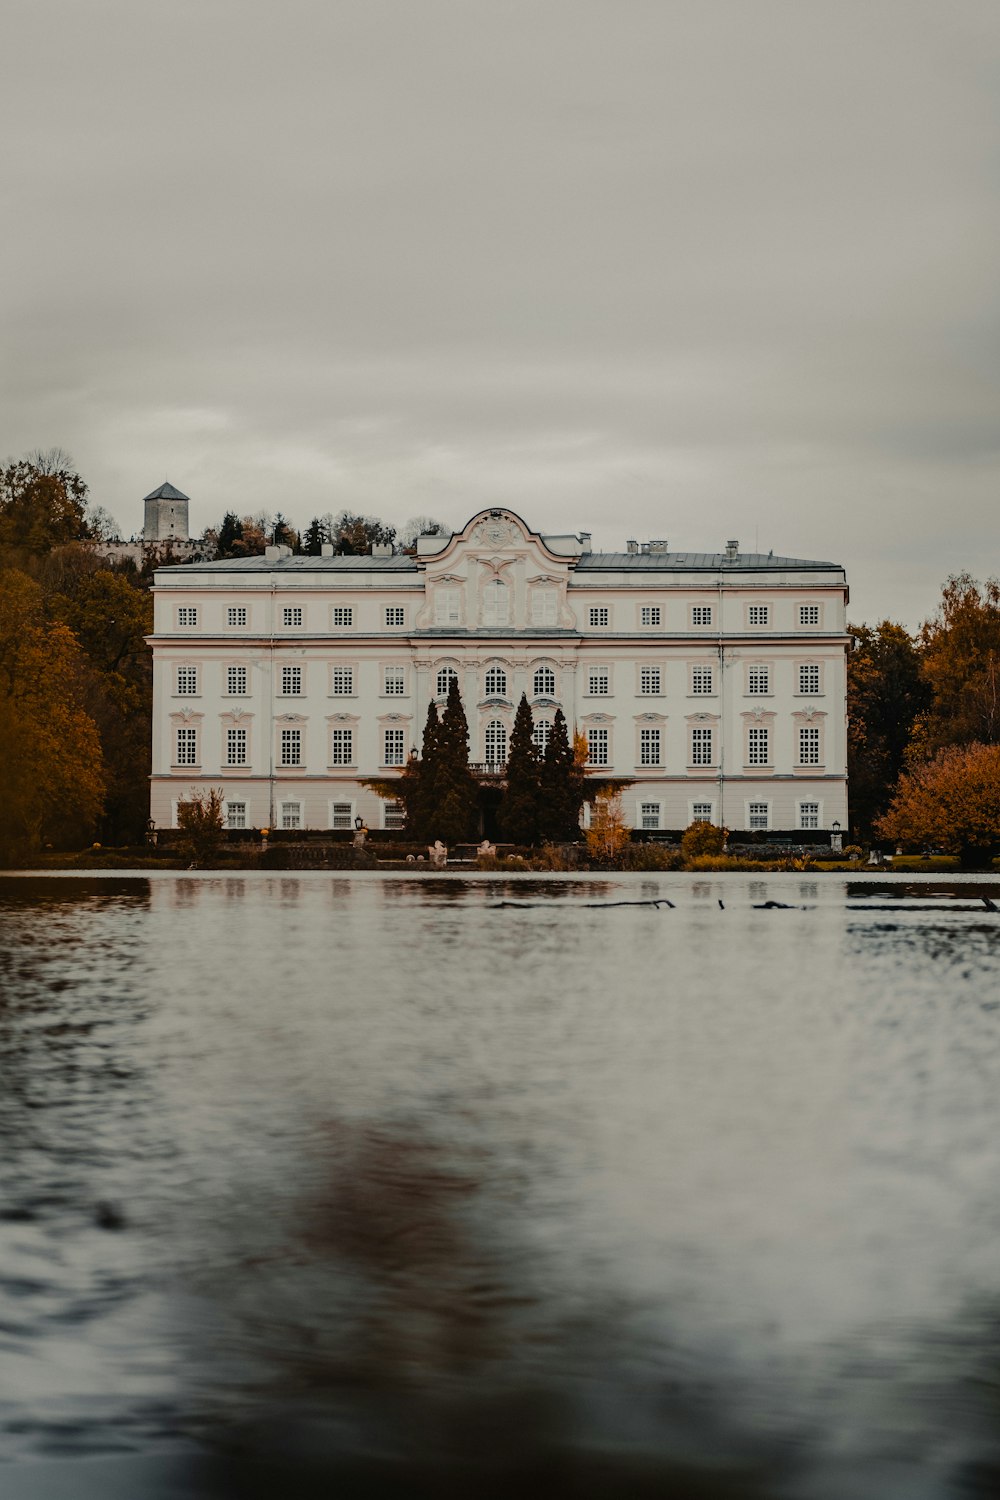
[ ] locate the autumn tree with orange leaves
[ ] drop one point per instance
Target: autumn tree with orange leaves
(951, 802)
(52, 781)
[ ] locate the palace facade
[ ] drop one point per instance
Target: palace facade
(708, 685)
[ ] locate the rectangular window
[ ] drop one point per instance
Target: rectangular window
(341, 747)
(597, 747)
(342, 682)
(808, 746)
(236, 682)
(599, 682)
(544, 607)
(447, 607)
(701, 747)
(649, 614)
(395, 747)
(649, 681)
(649, 747)
(395, 614)
(393, 815)
(701, 812)
(701, 680)
(758, 680)
(341, 815)
(236, 747)
(343, 614)
(291, 682)
(291, 614)
(758, 746)
(757, 815)
(808, 814)
(236, 614)
(291, 815)
(809, 677)
(187, 681)
(187, 614)
(395, 682)
(649, 814)
(701, 614)
(600, 614)
(187, 747)
(291, 748)
(758, 614)
(236, 815)
(808, 614)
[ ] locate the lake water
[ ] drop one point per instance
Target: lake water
(468, 1186)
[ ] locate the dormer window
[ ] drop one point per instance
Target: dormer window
(496, 603)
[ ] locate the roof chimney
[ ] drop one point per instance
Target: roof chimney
(631, 546)
(381, 549)
(659, 545)
(732, 550)
(584, 541)
(326, 549)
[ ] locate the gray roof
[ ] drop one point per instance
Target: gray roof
(588, 562)
(167, 492)
(695, 562)
(261, 564)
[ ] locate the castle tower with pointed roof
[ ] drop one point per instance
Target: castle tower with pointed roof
(166, 515)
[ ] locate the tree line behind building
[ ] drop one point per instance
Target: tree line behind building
(76, 692)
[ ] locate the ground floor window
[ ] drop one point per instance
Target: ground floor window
(341, 815)
(236, 815)
(808, 814)
(393, 815)
(291, 815)
(757, 815)
(701, 812)
(649, 815)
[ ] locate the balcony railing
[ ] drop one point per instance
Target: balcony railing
(488, 767)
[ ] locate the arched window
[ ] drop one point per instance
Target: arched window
(496, 605)
(542, 733)
(496, 743)
(445, 678)
(545, 683)
(496, 683)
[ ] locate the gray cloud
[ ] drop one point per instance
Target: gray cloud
(694, 269)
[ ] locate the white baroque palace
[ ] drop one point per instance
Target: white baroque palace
(708, 685)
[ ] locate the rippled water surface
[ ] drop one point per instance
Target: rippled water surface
(362, 1185)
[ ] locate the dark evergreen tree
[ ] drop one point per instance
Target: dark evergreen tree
(282, 534)
(519, 811)
(561, 786)
(453, 812)
(316, 533)
(230, 532)
(421, 776)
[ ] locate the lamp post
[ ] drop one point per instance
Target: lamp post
(837, 838)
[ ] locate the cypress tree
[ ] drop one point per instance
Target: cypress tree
(561, 786)
(520, 808)
(422, 775)
(453, 812)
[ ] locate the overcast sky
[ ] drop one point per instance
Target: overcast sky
(722, 268)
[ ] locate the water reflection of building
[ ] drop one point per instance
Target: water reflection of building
(711, 684)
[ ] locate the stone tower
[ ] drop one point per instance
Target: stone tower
(166, 516)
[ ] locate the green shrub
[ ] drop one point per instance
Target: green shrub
(651, 857)
(702, 839)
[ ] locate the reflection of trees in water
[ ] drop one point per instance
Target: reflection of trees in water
(405, 1335)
